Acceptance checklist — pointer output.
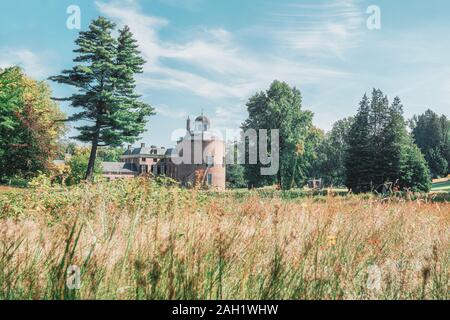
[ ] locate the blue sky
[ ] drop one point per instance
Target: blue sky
(214, 54)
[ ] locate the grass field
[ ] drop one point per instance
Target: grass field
(7, 189)
(141, 240)
(442, 186)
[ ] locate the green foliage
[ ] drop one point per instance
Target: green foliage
(414, 172)
(235, 172)
(78, 164)
(235, 176)
(280, 107)
(66, 147)
(380, 149)
(104, 72)
(17, 182)
(432, 134)
(329, 164)
(110, 154)
(30, 124)
(358, 162)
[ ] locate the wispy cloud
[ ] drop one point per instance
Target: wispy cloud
(228, 117)
(212, 63)
(166, 111)
(320, 28)
(32, 63)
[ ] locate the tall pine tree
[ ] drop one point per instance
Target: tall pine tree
(359, 159)
(378, 122)
(381, 150)
(394, 137)
(104, 75)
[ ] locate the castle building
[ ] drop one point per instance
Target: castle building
(197, 160)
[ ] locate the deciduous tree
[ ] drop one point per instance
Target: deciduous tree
(30, 125)
(431, 133)
(280, 108)
(329, 163)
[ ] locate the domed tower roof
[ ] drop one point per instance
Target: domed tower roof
(203, 119)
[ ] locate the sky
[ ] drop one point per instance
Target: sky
(212, 55)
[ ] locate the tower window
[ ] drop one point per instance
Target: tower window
(210, 178)
(210, 161)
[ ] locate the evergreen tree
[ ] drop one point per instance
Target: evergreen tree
(394, 137)
(236, 176)
(359, 159)
(378, 121)
(104, 76)
(380, 149)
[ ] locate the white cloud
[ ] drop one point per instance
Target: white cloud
(33, 64)
(211, 64)
(171, 113)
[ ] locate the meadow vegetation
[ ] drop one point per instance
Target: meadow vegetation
(142, 239)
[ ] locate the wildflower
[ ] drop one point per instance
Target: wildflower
(331, 241)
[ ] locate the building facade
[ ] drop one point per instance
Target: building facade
(197, 160)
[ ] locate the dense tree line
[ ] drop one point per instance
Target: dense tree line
(372, 151)
(30, 125)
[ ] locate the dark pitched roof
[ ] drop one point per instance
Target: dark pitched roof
(146, 151)
(119, 167)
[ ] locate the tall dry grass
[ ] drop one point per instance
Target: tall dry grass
(142, 240)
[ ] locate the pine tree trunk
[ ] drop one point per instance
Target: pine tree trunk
(93, 156)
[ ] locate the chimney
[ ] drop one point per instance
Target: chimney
(129, 147)
(142, 145)
(188, 125)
